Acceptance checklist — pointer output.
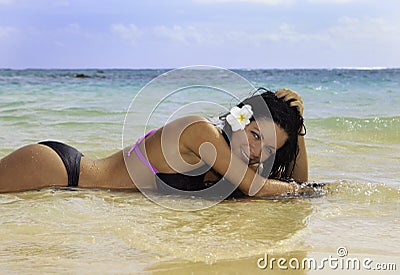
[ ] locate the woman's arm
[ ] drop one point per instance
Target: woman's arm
(300, 171)
(204, 139)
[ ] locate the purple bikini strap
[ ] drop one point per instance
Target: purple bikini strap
(135, 148)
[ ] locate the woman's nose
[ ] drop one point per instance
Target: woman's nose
(258, 153)
(255, 150)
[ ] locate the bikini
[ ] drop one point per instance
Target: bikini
(139, 154)
(190, 181)
(70, 157)
(168, 182)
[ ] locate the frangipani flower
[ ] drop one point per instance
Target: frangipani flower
(239, 117)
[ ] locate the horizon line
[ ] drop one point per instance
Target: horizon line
(232, 68)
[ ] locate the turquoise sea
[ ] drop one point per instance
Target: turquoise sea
(353, 140)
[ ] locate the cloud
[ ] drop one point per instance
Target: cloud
(354, 32)
(286, 33)
(365, 30)
(348, 30)
(216, 36)
(130, 33)
(186, 35)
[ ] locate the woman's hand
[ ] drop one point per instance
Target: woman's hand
(300, 166)
(292, 97)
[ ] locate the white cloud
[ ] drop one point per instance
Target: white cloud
(365, 30)
(185, 35)
(287, 33)
(131, 33)
(217, 36)
(362, 33)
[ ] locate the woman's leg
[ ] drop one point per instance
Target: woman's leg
(32, 167)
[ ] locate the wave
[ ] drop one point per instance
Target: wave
(362, 68)
(354, 124)
(75, 111)
(66, 124)
(363, 191)
(81, 112)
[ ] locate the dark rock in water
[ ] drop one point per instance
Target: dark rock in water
(100, 71)
(82, 76)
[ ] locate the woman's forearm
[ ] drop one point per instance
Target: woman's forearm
(273, 187)
(300, 171)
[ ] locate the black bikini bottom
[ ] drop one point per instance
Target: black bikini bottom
(70, 157)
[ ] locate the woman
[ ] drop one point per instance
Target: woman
(195, 158)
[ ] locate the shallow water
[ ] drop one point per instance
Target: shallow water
(115, 232)
(353, 142)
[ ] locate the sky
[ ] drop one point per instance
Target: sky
(175, 33)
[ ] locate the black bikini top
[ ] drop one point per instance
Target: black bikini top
(190, 181)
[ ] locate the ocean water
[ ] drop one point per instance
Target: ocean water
(353, 140)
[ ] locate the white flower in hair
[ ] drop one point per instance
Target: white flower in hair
(238, 118)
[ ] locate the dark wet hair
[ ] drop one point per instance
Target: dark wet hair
(286, 117)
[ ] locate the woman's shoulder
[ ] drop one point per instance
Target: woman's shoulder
(193, 125)
(191, 119)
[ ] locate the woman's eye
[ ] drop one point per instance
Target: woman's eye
(268, 150)
(255, 135)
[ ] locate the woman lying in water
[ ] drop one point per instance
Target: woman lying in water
(252, 150)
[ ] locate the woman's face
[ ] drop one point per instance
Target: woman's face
(258, 141)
